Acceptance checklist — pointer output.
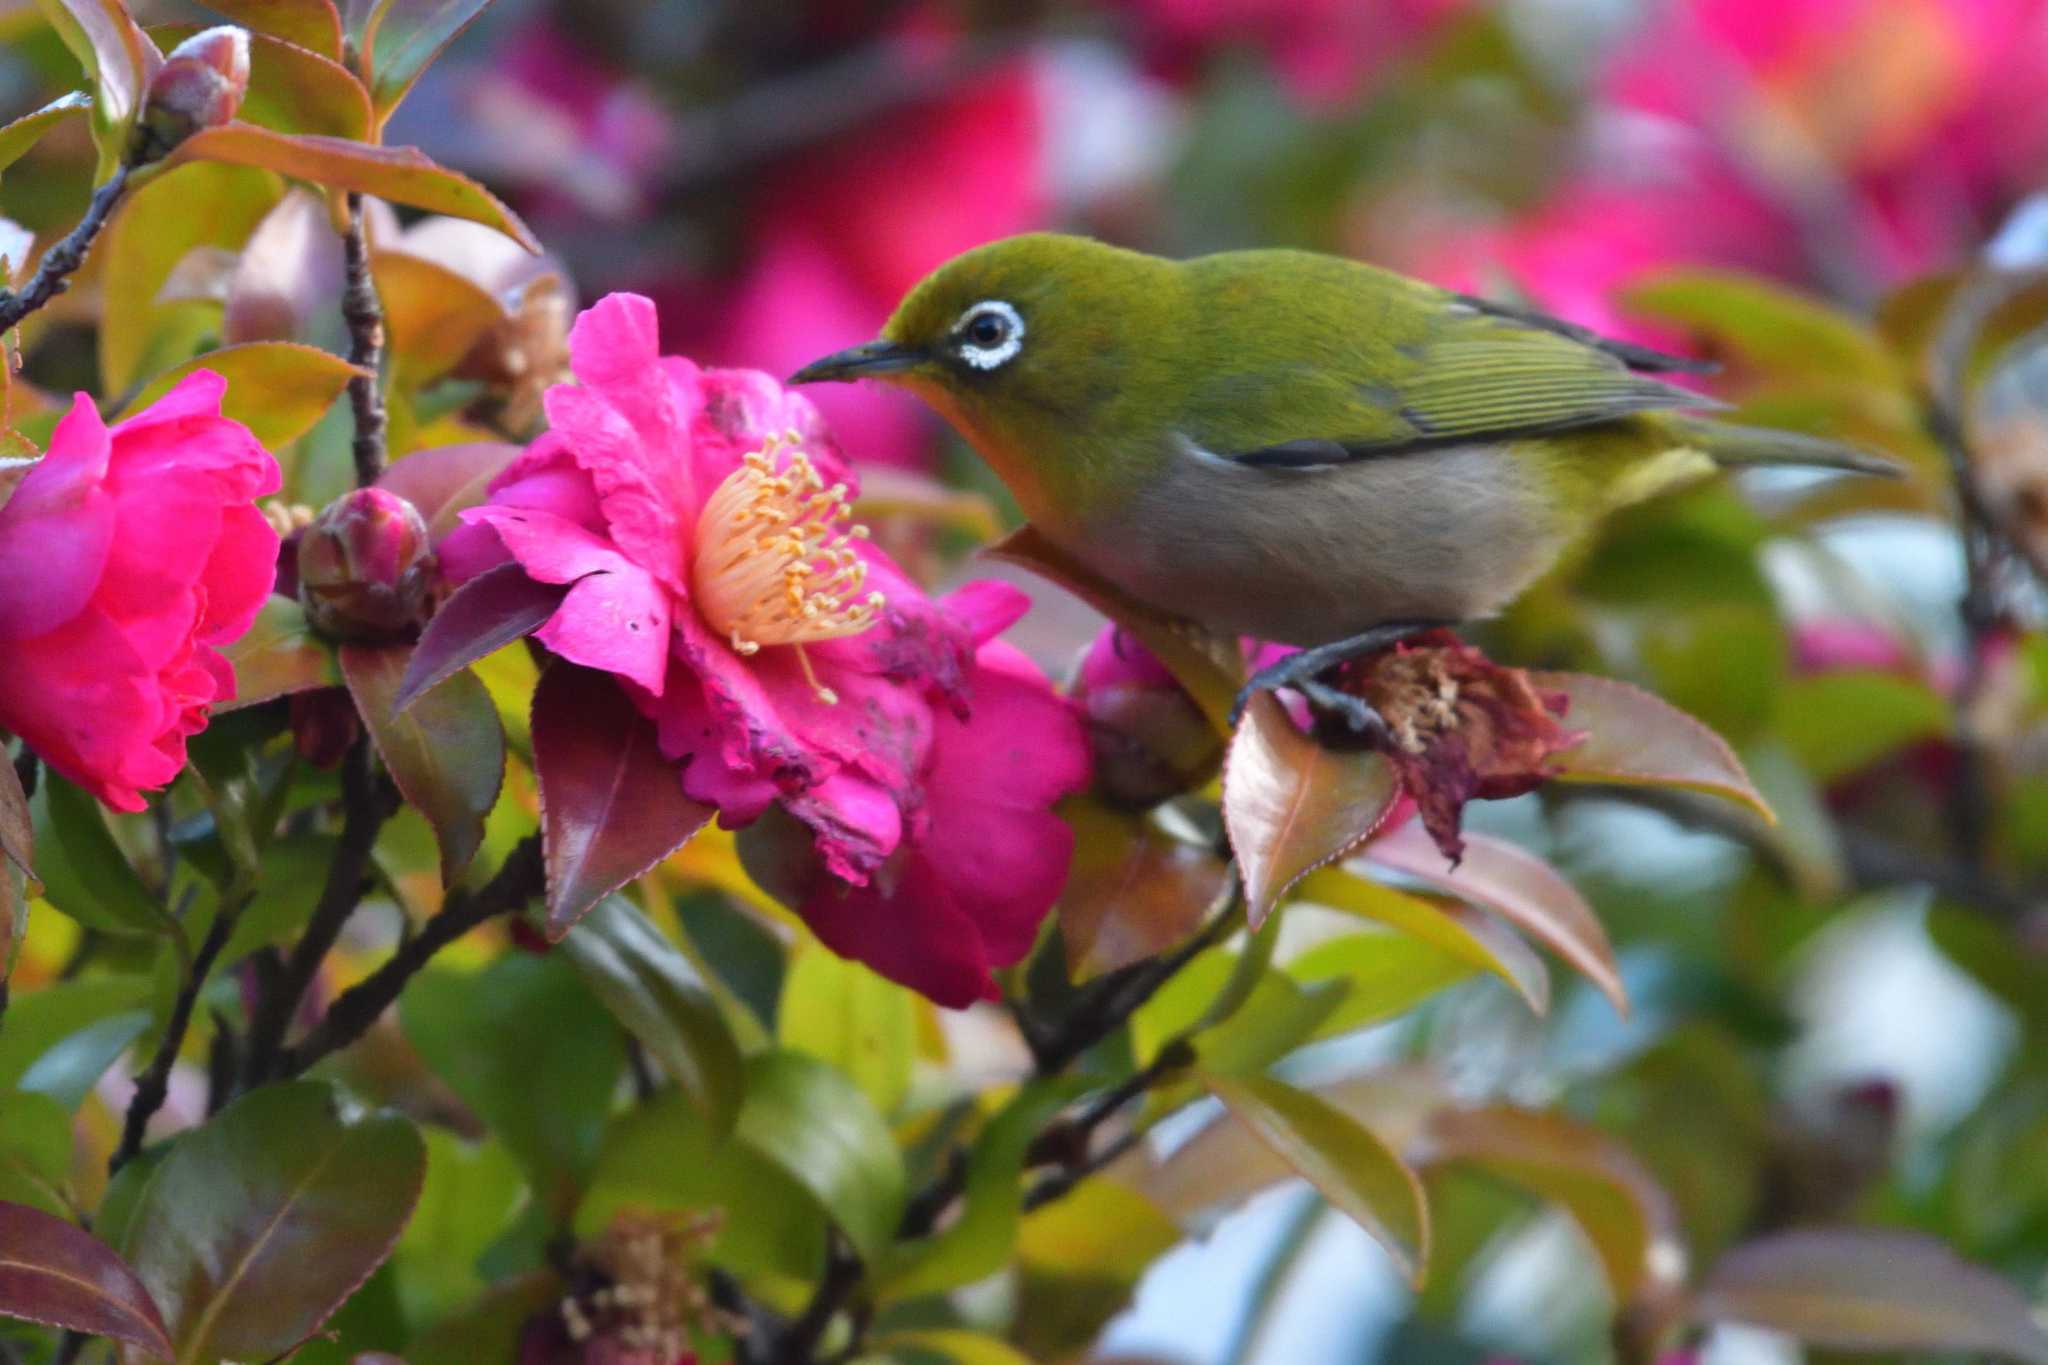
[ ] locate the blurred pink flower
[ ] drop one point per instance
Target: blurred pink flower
(126, 556)
(1322, 50)
(700, 516)
(844, 232)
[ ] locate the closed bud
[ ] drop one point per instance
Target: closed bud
(1150, 739)
(200, 85)
(364, 568)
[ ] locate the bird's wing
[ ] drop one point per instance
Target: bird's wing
(1443, 372)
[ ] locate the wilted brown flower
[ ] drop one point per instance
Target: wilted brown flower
(1459, 727)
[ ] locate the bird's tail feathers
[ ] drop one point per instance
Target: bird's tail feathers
(1734, 446)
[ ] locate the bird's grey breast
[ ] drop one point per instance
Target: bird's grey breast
(1311, 554)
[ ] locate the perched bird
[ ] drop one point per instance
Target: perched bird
(1295, 446)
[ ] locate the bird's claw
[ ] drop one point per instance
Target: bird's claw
(1306, 672)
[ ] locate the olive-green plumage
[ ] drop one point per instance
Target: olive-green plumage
(1289, 445)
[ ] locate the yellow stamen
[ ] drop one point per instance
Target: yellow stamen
(775, 564)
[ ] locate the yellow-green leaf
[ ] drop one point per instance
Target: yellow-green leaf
(277, 389)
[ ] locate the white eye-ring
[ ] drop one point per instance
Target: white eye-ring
(989, 334)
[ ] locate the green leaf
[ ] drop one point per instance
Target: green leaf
(1519, 887)
(407, 35)
(73, 1065)
(292, 88)
(1209, 666)
(35, 1151)
(979, 1242)
(1866, 1289)
(18, 137)
(1292, 806)
(261, 1221)
(446, 751)
(277, 389)
(840, 1012)
(403, 175)
(528, 1047)
(471, 1193)
(41, 1019)
(663, 1157)
(1623, 1211)
(311, 24)
(1840, 723)
(817, 1125)
(1387, 975)
(1277, 1016)
(157, 226)
(1468, 935)
(1637, 739)
(956, 1345)
(83, 871)
(279, 654)
(1334, 1152)
(657, 995)
(54, 1273)
(1772, 329)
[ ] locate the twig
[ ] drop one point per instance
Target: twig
(365, 318)
(154, 1083)
(841, 1280)
(53, 274)
(515, 883)
(366, 806)
(1057, 1184)
(1112, 999)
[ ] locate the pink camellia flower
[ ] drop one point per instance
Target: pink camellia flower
(126, 556)
(701, 519)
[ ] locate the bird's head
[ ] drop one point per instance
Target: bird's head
(1019, 340)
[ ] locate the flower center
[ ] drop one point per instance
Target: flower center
(775, 558)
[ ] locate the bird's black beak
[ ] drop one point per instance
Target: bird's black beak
(860, 362)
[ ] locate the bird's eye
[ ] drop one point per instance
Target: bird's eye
(987, 330)
(988, 334)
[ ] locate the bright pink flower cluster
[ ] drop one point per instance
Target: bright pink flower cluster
(702, 519)
(126, 556)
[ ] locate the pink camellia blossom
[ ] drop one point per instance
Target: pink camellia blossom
(700, 517)
(126, 556)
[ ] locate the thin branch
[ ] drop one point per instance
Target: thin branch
(365, 318)
(1057, 1184)
(841, 1280)
(52, 276)
(515, 883)
(1110, 1000)
(366, 805)
(154, 1083)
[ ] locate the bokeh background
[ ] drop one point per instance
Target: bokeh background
(1833, 1016)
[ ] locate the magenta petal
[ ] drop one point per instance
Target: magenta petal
(987, 607)
(57, 531)
(239, 575)
(198, 394)
(468, 550)
(904, 925)
(856, 821)
(616, 621)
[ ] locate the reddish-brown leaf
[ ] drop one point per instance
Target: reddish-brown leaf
(1519, 887)
(1291, 805)
(112, 48)
(1469, 935)
(278, 655)
(17, 832)
(52, 1272)
(443, 480)
(1625, 1213)
(611, 805)
(311, 24)
(434, 315)
(481, 617)
(1209, 666)
(1637, 739)
(403, 175)
(446, 751)
(1870, 1289)
(1132, 892)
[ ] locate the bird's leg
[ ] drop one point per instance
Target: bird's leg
(1306, 670)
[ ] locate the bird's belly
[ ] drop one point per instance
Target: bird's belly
(1306, 556)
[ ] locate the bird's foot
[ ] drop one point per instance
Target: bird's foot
(1310, 671)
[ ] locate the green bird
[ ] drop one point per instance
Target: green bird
(1295, 446)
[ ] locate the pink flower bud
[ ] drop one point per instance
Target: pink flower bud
(200, 85)
(1150, 739)
(364, 569)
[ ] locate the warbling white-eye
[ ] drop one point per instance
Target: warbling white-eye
(1295, 446)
